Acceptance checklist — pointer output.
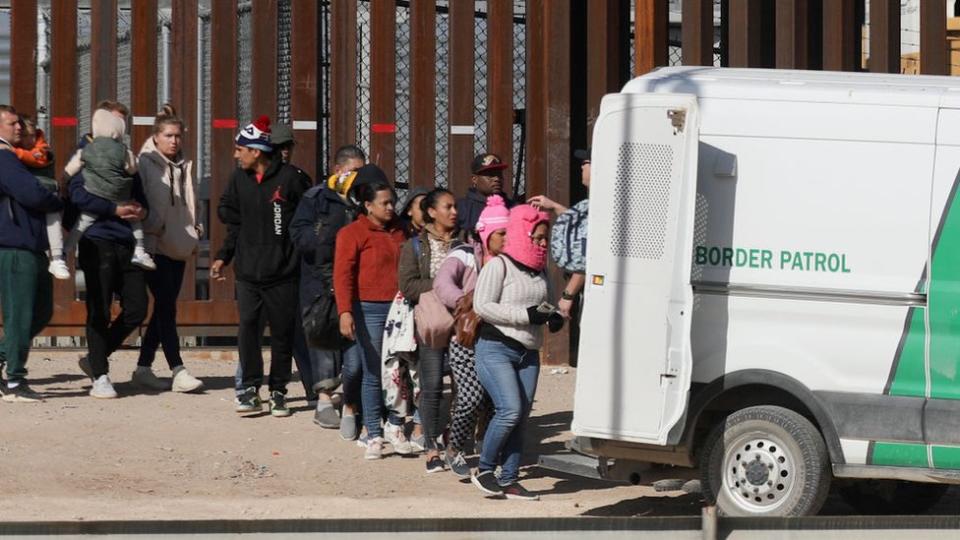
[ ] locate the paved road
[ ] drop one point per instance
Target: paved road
(680, 528)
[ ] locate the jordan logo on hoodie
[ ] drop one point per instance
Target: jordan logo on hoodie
(276, 199)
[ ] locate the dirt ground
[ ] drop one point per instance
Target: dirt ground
(176, 456)
(165, 456)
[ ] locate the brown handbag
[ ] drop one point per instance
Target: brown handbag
(467, 326)
(466, 323)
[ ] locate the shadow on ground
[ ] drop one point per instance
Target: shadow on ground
(662, 505)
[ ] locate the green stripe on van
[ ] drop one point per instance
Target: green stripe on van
(946, 457)
(899, 454)
(943, 306)
(943, 301)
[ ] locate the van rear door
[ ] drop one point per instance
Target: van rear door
(634, 365)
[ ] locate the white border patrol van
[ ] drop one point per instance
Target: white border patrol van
(773, 285)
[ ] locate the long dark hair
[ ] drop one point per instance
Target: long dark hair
(367, 193)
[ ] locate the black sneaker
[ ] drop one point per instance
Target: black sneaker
(458, 464)
(22, 393)
(487, 483)
(516, 491)
(278, 404)
(249, 401)
(434, 464)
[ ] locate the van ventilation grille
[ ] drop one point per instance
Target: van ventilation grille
(642, 200)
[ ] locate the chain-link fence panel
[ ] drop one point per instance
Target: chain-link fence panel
(519, 97)
(480, 81)
(442, 120)
(245, 112)
(363, 76)
(5, 22)
(323, 110)
(205, 59)
(164, 24)
(675, 46)
(401, 101)
(284, 65)
(84, 31)
(124, 75)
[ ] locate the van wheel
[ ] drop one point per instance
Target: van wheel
(765, 461)
(891, 497)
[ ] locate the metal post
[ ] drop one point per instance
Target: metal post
(63, 128)
(933, 37)
(697, 33)
(884, 36)
(343, 72)
(500, 82)
(792, 34)
(383, 85)
(103, 51)
(461, 94)
(303, 85)
(651, 35)
(23, 56)
(423, 94)
(223, 104)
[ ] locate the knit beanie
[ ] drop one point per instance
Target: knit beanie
(256, 135)
(520, 246)
(493, 218)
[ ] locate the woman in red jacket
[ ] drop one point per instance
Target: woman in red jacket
(364, 283)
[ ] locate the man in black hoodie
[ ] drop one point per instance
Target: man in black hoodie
(257, 207)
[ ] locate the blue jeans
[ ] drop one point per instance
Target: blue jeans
(510, 377)
(363, 358)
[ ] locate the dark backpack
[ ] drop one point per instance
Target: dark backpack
(321, 319)
(568, 238)
(321, 323)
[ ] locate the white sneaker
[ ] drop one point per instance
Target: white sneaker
(183, 381)
(58, 267)
(374, 449)
(143, 260)
(143, 376)
(103, 388)
(418, 443)
(394, 435)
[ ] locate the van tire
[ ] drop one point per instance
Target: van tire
(891, 497)
(770, 443)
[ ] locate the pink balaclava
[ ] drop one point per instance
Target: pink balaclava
(520, 247)
(493, 218)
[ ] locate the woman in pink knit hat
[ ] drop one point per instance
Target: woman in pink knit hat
(511, 297)
(454, 284)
